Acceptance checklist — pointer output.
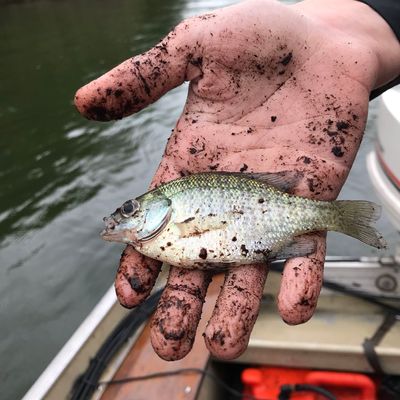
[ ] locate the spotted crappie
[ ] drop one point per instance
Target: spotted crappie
(213, 220)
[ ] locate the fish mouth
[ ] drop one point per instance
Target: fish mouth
(112, 236)
(109, 233)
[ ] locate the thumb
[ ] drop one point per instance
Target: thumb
(143, 79)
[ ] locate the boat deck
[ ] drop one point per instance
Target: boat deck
(142, 360)
(331, 340)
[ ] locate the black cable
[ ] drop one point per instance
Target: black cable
(391, 383)
(183, 371)
(278, 267)
(362, 295)
(87, 383)
(287, 390)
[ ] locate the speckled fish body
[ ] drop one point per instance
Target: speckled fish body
(215, 220)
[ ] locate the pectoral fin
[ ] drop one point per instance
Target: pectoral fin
(299, 247)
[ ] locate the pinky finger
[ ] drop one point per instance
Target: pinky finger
(301, 284)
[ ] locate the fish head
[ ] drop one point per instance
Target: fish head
(122, 225)
(137, 221)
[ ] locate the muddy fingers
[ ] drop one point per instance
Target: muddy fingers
(140, 80)
(228, 331)
(135, 277)
(301, 284)
(173, 327)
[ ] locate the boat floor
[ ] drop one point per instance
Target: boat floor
(142, 360)
(332, 339)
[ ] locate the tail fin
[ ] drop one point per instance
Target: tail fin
(355, 220)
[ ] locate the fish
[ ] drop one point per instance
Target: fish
(219, 220)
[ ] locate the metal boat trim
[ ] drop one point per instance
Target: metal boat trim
(69, 351)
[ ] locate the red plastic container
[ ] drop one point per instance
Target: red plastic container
(265, 383)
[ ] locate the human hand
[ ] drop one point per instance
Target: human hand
(272, 88)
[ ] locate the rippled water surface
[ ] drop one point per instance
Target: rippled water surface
(60, 174)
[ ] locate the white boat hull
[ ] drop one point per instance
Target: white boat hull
(383, 163)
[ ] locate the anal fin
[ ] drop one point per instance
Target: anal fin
(300, 246)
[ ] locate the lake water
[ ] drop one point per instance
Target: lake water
(60, 174)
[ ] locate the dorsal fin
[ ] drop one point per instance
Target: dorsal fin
(284, 181)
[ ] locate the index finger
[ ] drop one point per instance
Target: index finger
(141, 80)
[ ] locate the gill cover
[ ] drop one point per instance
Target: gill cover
(157, 214)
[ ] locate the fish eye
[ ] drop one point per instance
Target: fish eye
(129, 208)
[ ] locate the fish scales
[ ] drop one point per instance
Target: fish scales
(219, 220)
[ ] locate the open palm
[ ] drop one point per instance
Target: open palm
(270, 90)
